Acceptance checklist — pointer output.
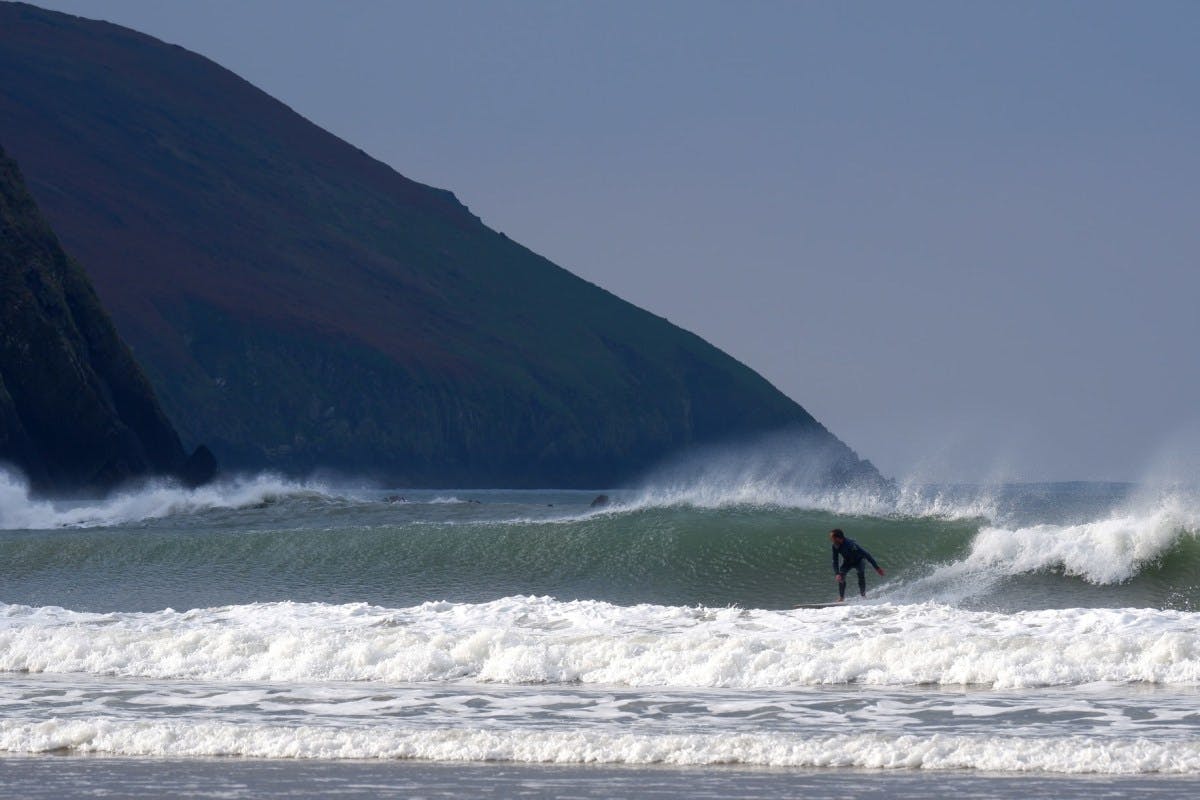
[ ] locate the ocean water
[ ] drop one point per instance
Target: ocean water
(1024, 634)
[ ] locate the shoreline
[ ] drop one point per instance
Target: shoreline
(58, 775)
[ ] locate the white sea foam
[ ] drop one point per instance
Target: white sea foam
(18, 511)
(540, 640)
(1074, 754)
(1103, 552)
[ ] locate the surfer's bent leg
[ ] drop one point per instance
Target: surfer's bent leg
(842, 586)
(862, 578)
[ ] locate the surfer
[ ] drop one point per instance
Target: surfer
(853, 556)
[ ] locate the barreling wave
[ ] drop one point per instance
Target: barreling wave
(751, 557)
(716, 533)
(524, 640)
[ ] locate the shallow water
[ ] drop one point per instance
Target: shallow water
(236, 779)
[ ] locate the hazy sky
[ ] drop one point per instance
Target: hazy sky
(963, 235)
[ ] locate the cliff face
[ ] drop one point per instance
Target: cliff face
(76, 412)
(298, 304)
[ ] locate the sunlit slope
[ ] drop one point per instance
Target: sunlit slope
(298, 304)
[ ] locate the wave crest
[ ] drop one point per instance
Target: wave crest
(854, 499)
(20, 511)
(1130, 544)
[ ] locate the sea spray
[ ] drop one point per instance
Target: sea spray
(154, 500)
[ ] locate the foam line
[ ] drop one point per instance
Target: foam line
(1067, 755)
(522, 640)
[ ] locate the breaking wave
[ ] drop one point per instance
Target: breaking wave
(20, 511)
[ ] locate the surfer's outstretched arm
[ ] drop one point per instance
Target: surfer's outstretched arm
(868, 557)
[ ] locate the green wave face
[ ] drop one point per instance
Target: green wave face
(314, 547)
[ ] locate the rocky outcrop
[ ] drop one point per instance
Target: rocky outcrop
(76, 412)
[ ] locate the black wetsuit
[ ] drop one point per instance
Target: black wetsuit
(853, 557)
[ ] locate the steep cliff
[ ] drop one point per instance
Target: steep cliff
(76, 412)
(298, 304)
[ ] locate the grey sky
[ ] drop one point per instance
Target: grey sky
(963, 235)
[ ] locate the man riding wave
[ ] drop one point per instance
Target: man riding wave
(853, 555)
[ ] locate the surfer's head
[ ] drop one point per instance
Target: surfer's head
(836, 535)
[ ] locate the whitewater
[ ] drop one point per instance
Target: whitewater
(1035, 629)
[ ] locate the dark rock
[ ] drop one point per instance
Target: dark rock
(199, 469)
(76, 412)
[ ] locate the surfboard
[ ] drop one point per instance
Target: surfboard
(819, 605)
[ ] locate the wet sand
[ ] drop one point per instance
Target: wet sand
(52, 776)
